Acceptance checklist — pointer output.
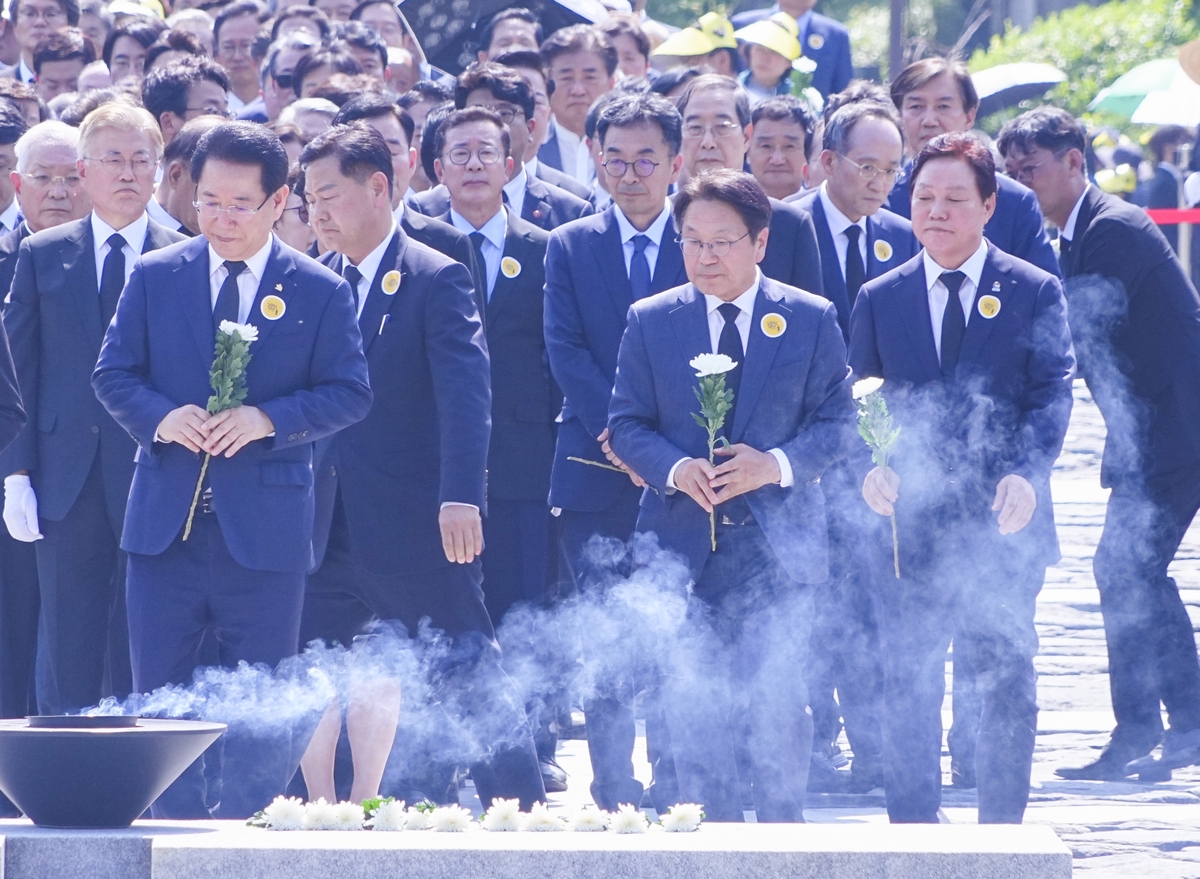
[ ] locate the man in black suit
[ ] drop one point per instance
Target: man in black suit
(401, 494)
(533, 200)
(173, 205)
(67, 481)
(716, 134)
(1135, 318)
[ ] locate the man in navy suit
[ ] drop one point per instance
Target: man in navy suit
(791, 419)
(824, 40)
(402, 544)
(716, 134)
(1135, 317)
(241, 570)
(582, 64)
(595, 268)
(67, 480)
(977, 364)
(533, 200)
(935, 96)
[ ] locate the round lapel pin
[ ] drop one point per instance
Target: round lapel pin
(815, 41)
(510, 267)
(391, 282)
(883, 250)
(773, 325)
(989, 306)
(272, 307)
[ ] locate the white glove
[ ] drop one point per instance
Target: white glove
(20, 508)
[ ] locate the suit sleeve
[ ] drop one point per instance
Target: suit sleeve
(634, 416)
(338, 393)
(1046, 401)
(458, 363)
(823, 438)
(805, 252)
(864, 352)
(22, 324)
(12, 415)
(1030, 241)
(581, 379)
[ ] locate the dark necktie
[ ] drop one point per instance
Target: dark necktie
(353, 276)
(112, 278)
(1064, 250)
(229, 300)
(856, 275)
(639, 268)
(954, 324)
(730, 344)
(477, 243)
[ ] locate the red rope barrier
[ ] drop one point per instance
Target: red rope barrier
(1173, 216)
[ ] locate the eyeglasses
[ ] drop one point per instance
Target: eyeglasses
(718, 129)
(210, 210)
(283, 80)
(210, 110)
(718, 247)
(869, 172)
(116, 164)
(45, 181)
(1025, 173)
(301, 213)
(462, 155)
(616, 168)
(506, 114)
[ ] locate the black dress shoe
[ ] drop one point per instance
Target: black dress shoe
(824, 779)
(1111, 765)
(1179, 750)
(962, 775)
(554, 777)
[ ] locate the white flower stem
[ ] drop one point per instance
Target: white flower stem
(187, 529)
(895, 547)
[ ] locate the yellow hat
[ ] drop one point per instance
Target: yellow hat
(1122, 178)
(711, 32)
(779, 33)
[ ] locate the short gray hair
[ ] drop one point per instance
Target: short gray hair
(45, 134)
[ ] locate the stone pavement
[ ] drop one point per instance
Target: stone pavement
(1115, 830)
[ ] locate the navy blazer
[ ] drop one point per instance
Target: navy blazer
(12, 413)
(425, 440)
(1017, 226)
(1006, 412)
(890, 243)
(443, 238)
(307, 372)
(549, 154)
(555, 177)
(55, 327)
(546, 206)
(1135, 317)
(10, 246)
(587, 299)
(794, 396)
(825, 41)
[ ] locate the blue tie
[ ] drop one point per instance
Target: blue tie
(639, 268)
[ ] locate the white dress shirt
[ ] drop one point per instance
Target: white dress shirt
(838, 224)
(1068, 231)
(134, 235)
(159, 215)
(398, 213)
(576, 157)
(939, 295)
(515, 191)
(24, 73)
(368, 267)
(11, 217)
(493, 232)
(531, 166)
(716, 323)
(247, 281)
(654, 232)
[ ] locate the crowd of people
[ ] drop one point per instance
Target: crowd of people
(476, 301)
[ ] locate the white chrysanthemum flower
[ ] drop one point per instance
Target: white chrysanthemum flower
(285, 813)
(319, 816)
(451, 819)
(539, 819)
(418, 819)
(628, 819)
(348, 816)
(683, 818)
(711, 364)
(389, 816)
(502, 816)
(247, 332)
(589, 819)
(866, 386)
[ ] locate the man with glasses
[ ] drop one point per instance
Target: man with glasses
(33, 21)
(234, 32)
(184, 90)
(595, 268)
(501, 90)
(239, 572)
(717, 134)
(751, 599)
(68, 476)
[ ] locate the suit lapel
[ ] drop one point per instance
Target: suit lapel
(196, 294)
(912, 296)
(829, 257)
(274, 283)
(536, 208)
(992, 282)
(690, 319)
(610, 256)
(156, 237)
(668, 268)
(79, 268)
(515, 247)
(380, 303)
(760, 354)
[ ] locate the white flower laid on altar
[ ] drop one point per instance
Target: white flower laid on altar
(502, 816)
(540, 818)
(451, 819)
(248, 332)
(388, 815)
(418, 817)
(348, 816)
(683, 818)
(711, 364)
(628, 819)
(319, 815)
(865, 386)
(284, 813)
(589, 819)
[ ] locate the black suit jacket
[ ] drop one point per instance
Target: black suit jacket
(425, 440)
(546, 206)
(555, 177)
(54, 323)
(1135, 318)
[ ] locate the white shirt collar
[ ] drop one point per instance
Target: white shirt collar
(235, 105)
(493, 230)
(803, 21)
(744, 302)
(1068, 231)
(838, 222)
(158, 214)
(398, 213)
(11, 216)
(572, 139)
(654, 232)
(515, 190)
(134, 234)
(256, 265)
(972, 268)
(531, 167)
(368, 266)
(24, 73)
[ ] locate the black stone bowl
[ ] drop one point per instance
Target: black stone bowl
(95, 771)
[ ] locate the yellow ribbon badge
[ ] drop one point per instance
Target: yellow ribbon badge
(989, 306)
(391, 282)
(510, 267)
(272, 307)
(773, 325)
(883, 251)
